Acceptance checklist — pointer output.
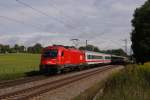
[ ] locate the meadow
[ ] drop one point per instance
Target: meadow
(17, 65)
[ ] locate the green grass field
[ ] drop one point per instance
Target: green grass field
(17, 65)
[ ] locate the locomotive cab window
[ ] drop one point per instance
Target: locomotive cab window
(50, 53)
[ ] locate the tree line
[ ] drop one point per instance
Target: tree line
(118, 52)
(37, 48)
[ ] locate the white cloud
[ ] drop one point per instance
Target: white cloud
(99, 21)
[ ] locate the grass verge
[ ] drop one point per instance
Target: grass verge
(90, 92)
(132, 83)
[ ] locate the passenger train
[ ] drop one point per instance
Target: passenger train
(60, 58)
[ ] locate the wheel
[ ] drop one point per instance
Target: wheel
(41, 69)
(58, 71)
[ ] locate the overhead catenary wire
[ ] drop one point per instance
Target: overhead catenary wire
(18, 21)
(42, 13)
(37, 10)
(45, 14)
(39, 27)
(61, 13)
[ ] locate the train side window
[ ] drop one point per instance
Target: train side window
(107, 57)
(88, 57)
(92, 57)
(62, 53)
(100, 57)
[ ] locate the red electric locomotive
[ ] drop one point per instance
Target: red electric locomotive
(58, 58)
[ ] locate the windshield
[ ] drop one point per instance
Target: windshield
(50, 53)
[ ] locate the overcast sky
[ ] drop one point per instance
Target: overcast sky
(104, 23)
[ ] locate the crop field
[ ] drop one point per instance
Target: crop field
(18, 65)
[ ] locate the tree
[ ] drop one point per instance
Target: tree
(16, 48)
(118, 52)
(90, 48)
(30, 50)
(1, 47)
(4, 48)
(37, 48)
(140, 35)
(21, 49)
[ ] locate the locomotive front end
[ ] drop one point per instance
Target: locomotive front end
(49, 60)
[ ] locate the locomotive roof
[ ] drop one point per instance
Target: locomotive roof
(63, 47)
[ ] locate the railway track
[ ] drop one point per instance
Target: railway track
(49, 86)
(11, 83)
(16, 82)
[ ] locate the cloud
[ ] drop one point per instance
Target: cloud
(99, 21)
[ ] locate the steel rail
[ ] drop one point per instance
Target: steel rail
(43, 88)
(11, 83)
